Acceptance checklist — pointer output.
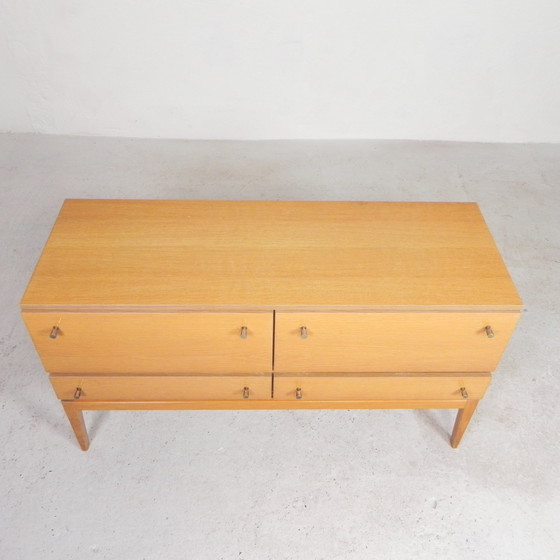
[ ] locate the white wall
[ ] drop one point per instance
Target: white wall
(481, 70)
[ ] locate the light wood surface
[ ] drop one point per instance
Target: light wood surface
(359, 387)
(163, 343)
(149, 299)
(185, 254)
(390, 342)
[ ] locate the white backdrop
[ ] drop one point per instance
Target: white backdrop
(480, 70)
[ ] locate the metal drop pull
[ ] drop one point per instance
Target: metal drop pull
(243, 333)
(77, 393)
(303, 332)
(489, 331)
(54, 331)
(464, 393)
(245, 392)
(298, 393)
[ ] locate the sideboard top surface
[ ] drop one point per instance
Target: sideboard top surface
(279, 255)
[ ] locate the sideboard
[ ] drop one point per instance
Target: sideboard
(187, 304)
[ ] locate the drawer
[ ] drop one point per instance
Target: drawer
(144, 343)
(390, 342)
(166, 388)
(380, 386)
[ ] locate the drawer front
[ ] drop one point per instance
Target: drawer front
(379, 386)
(165, 388)
(144, 343)
(390, 342)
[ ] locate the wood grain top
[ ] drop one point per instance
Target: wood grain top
(137, 254)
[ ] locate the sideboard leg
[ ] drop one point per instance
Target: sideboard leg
(462, 421)
(76, 418)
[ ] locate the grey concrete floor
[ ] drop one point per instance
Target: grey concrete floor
(285, 484)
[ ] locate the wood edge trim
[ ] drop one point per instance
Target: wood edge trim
(388, 374)
(281, 374)
(265, 405)
(28, 308)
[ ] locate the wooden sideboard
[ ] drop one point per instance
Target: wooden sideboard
(153, 304)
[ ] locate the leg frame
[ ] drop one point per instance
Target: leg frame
(75, 415)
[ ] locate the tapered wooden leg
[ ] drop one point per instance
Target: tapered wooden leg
(462, 421)
(76, 418)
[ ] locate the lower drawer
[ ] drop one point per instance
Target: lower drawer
(380, 386)
(161, 388)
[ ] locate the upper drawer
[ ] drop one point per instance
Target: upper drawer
(390, 342)
(144, 343)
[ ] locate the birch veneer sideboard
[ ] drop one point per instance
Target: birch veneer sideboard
(152, 304)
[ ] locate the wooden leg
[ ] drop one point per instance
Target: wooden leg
(462, 421)
(76, 418)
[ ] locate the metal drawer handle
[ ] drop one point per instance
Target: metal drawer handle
(489, 331)
(243, 333)
(54, 331)
(245, 392)
(303, 332)
(464, 393)
(298, 393)
(77, 393)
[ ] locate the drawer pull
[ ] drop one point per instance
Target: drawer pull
(303, 332)
(77, 393)
(245, 392)
(489, 331)
(243, 333)
(298, 393)
(54, 332)
(464, 393)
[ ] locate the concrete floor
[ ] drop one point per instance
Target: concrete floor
(285, 484)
